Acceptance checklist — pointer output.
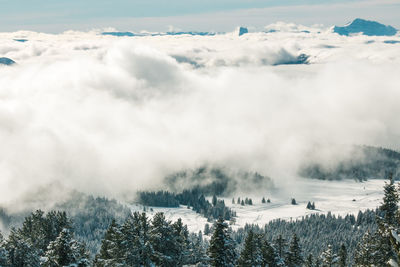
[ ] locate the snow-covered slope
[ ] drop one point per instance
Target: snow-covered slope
(337, 197)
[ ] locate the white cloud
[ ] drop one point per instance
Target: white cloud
(110, 116)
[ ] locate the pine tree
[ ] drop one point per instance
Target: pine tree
(269, 255)
(309, 261)
(328, 258)
(293, 256)
(111, 249)
(251, 254)
(342, 256)
(65, 251)
(263, 200)
(163, 241)
(20, 250)
(384, 243)
(206, 229)
(181, 235)
(222, 248)
(281, 244)
(364, 254)
(136, 247)
(233, 200)
(214, 200)
(390, 200)
(197, 253)
(3, 252)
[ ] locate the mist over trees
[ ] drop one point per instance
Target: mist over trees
(365, 163)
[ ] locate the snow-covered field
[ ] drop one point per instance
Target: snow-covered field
(338, 197)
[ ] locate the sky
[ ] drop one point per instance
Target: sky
(160, 15)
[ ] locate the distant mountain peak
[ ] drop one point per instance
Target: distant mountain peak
(6, 61)
(366, 27)
(243, 30)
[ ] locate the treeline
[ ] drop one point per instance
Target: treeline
(48, 240)
(320, 229)
(192, 198)
(217, 181)
(366, 163)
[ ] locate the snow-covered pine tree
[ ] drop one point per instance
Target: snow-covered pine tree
(137, 249)
(222, 248)
(214, 200)
(197, 253)
(328, 257)
(3, 252)
(263, 200)
(390, 200)
(181, 235)
(206, 229)
(342, 261)
(364, 254)
(269, 255)
(163, 241)
(293, 256)
(65, 251)
(111, 253)
(280, 244)
(251, 254)
(384, 243)
(309, 261)
(20, 250)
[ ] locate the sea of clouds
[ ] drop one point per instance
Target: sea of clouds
(109, 116)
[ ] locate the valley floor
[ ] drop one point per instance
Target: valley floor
(337, 197)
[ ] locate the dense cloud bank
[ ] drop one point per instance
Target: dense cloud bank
(110, 115)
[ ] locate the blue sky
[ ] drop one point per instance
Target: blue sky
(60, 15)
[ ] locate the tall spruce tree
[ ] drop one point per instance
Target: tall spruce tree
(136, 246)
(3, 252)
(293, 256)
(365, 252)
(111, 253)
(342, 261)
(309, 261)
(384, 243)
(328, 257)
(251, 254)
(163, 241)
(65, 251)
(181, 236)
(280, 244)
(269, 255)
(222, 247)
(390, 200)
(21, 251)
